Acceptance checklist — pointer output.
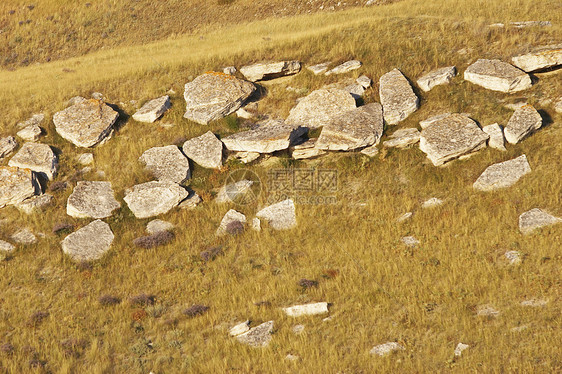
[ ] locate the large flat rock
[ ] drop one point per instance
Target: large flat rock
(86, 123)
(94, 199)
(38, 157)
(205, 150)
(397, 97)
(269, 136)
(357, 128)
(167, 163)
(319, 107)
(153, 198)
(153, 109)
(451, 137)
(213, 96)
(270, 70)
(497, 75)
(522, 123)
(539, 58)
(502, 175)
(535, 219)
(437, 77)
(16, 185)
(89, 243)
(280, 216)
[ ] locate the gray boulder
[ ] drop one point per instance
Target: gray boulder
(258, 336)
(280, 216)
(270, 70)
(167, 163)
(205, 150)
(38, 157)
(16, 185)
(503, 174)
(154, 198)
(269, 136)
(397, 97)
(403, 138)
(7, 146)
(535, 219)
(497, 75)
(522, 123)
(92, 200)
(213, 96)
(451, 137)
(346, 67)
(86, 123)
(539, 58)
(153, 109)
(497, 140)
(437, 77)
(89, 243)
(230, 217)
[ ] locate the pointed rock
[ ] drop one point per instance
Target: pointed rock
(38, 157)
(503, 174)
(92, 200)
(270, 70)
(280, 216)
(16, 185)
(205, 150)
(540, 58)
(230, 217)
(535, 219)
(167, 163)
(153, 110)
(259, 336)
(154, 198)
(397, 97)
(269, 136)
(437, 77)
(497, 140)
(89, 243)
(497, 75)
(522, 123)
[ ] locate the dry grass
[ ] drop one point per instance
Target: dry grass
(380, 290)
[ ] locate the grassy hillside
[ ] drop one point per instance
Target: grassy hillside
(380, 290)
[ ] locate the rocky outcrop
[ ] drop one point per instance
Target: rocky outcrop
(269, 136)
(522, 123)
(92, 199)
(535, 219)
(270, 70)
(437, 77)
(280, 216)
(38, 157)
(154, 198)
(167, 163)
(205, 150)
(153, 110)
(497, 75)
(16, 185)
(540, 58)
(397, 97)
(502, 175)
(89, 243)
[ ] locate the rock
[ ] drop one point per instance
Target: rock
(259, 336)
(502, 175)
(30, 133)
(230, 217)
(16, 185)
(270, 70)
(410, 241)
(291, 357)
(193, 199)
(6, 247)
(213, 96)
(167, 163)
(38, 157)
(403, 138)
(157, 225)
(76, 100)
(497, 140)
(320, 107)
(153, 109)
(306, 150)
(230, 70)
(256, 224)
(97, 96)
(346, 67)
(535, 219)
(34, 203)
(522, 123)
(298, 329)
(7, 146)
(487, 311)
(386, 348)
(25, 237)
(534, 303)
(280, 216)
(319, 68)
(87, 123)
(557, 108)
(516, 105)
(404, 217)
(89, 243)
(524, 24)
(231, 192)
(240, 328)
(269, 136)
(431, 120)
(433, 202)
(371, 151)
(437, 77)
(243, 113)
(540, 58)
(397, 97)
(244, 157)
(498, 76)
(353, 129)
(513, 257)
(451, 137)
(92, 200)
(35, 120)
(306, 309)
(356, 90)
(85, 159)
(459, 348)
(364, 81)
(154, 198)
(205, 150)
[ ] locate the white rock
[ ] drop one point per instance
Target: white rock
(85, 159)
(153, 198)
(34, 203)
(245, 157)
(404, 217)
(280, 216)
(6, 247)
(24, 236)
(433, 202)
(243, 113)
(230, 70)
(270, 70)
(364, 81)
(397, 97)
(240, 328)
(89, 243)
(403, 138)
(306, 150)
(291, 357)
(153, 110)
(205, 150)
(371, 151)
(37, 157)
(535, 219)
(497, 140)
(306, 309)
(298, 329)
(513, 257)
(30, 133)
(259, 336)
(487, 311)
(502, 175)
(498, 76)
(431, 120)
(522, 123)
(256, 224)
(269, 136)
(346, 67)
(437, 77)
(557, 107)
(386, 348)
(539, 58)
(92, 200)
(459, 348)
(35, 120)
(319, 68)
(534, 303)
(230, 216)
(525, 24)
(7, 146)
(167, 163)
(157, 225)
(410, 241)
(191, 202)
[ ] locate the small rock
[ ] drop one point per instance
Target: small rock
(397, 97)
(157, 225)
(364, 81)
(497, 140)
(319, 68)
(437, 77)
(280, 216)
(240, 328)
(34, 203)
(540, 58)
(85, 159)
(525, 24)
(269, 136)
(30, 133)
(245, 157)
(92, 200)
(410, 241)
(24, 236)
(498, 76)
(522, 123)
(298, 329)
(386, 348)
(191, 202)
(153, 110)
(89, 243)
(535, 303)
(35, 120)
(97, 96)
(403, 138)
(230, 70)
(256, 224)
(535, 219)
(487, 311)
(557, 108)
(38, 157)
(153, 198)
(459, 348)
(346, 67)
(404, 217)
(231, 192)
(356, 90)
(205, 150)
(243, 113)
(433, 119)
(515, 105)
(502, 175)
(306, 309)
(513, 257)
(7, 146)
(306, 150)
(167, 163)
(230, 217)
(6, 247)
(270, 70)
(371, 151)
(291, 357)
(259, 336)
(16, 185)
(433, 202)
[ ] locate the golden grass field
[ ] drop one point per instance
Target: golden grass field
(380, 290)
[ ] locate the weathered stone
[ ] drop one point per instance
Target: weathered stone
(270, 70)
(240, 328)
(245, 157)
(76, 100)
(205, 150)
(514, 257)
(259, 336)
(7, 146)
(97, 96)
(269, 136)
(498, 76)
(306, 309)
(154, 198)
(256, 224)
(497, 140)
(534, 303)
(153, 109)
(38, 157)
(410, 241)
(354, 129)
(92, 200)
(540, 58)
(34, 203)
(191, 202)
(503, 174)
(319, 68)
(460, 348)
(85, 159)
(386, 348)
(16, 185)
(167, 163)
(535, 219)
(6, 247)
(280, 216)
(525, 24)
(24, 236)
(89, 243)
(243, 113)
(320, 107)
(397, 97)
(451, 137)
(157, 225)
(364, 81)
(298, 329)
(30, 133)
(87, 123)
(404, 217)
(34, 120)
(403, 138)
(557, 108)
(437, 77)
(432, 202)
(346, 67)
(522, 123)
(431, 120)
(356, 90)
(230, 70)
(306, 150)
(487, 311)
(371, 151)
(230, 217)
(213, 96)
(231, 192)
(291, 357)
